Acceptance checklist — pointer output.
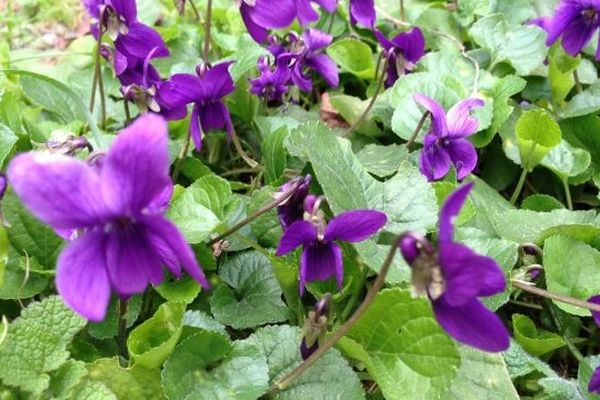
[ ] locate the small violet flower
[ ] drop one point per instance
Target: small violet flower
(362, 12)
(306, 53)
(292, 209)
(575, 21)
(445, 144)
(321, 256)
(123, 240)
(261, 15)
(402, 52)
(453, 277)
(272, 82)
(306, 14)
(205, 90)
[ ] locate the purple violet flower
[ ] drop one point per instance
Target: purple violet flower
(306, 53)
(575, 21)
(205, 90)
(306, 14)
(292, 209)
(402, 52)
(594, 385)
(453, 277)
(272, 82)
(123, 239)
(362, 12)
(261, 15)
(321, 256)
(445, 144)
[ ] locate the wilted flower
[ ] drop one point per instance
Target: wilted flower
(453, 277)
(205, 90)
(446, 141)
(292, 209)
(362, 12)
(123, 239)
(261, 15)
(575, 21)
(272, 82)
(321, 256)
(402, 52)
(315, 327)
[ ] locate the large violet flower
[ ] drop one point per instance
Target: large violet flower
(453, 277)
(446, 141)
(123, 239)
(205, 90)
(575, 21)
(306, 53)
(321, 256)
(402, 52)
(362, 12)
(261, 15)
(272, 84)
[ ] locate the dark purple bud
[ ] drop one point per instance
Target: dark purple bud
(412, 245)
(3, 184)
(310, 203)
(322, 307)
(306, 351)
(292, 210)
(535, 272)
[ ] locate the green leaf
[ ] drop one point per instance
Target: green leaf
(182, 290)
(584, 103)
(353, 56)
(3, 253)
(207, 366)
(572, 269)
(56, 97)
(266, 228)
(201, 320)
(541, 203)
(560, 72)
(329, 377)
(567, 161)
(584, 374)
(393, 338)
(200, 209)
(584, 132)
(351, 109)
(36, 344)
(65, 380)
(109, 327)
(7, 141)
(560, 389)
(136, 382)
(382, 161)
(481, 376)
(153, 341)
(28, 236)
(537, 133)
(274, 154)
(535, 342)
(522, 47)
(520, 363)
(93, 391)
(251, 296)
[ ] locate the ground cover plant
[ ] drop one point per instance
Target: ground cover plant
(295, 199)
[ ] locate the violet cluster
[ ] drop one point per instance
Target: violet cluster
(453, 277)
(574, 22)
(112, 209)
(305, 225)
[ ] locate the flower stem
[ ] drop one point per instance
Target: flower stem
(333, 339)
(363, 278)
(182, 154)
(122, 334)
(412, 139)
(279, 200)
(372, 102)
(402, 11)
(97, 81)
(195, 10)
(331, 19)
(127, 113)
(577, 82)
(572, 348)
(519, 187)
(565, 183)
(530, 288)
(240, 150)
(207, 25)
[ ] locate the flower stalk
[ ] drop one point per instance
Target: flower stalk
(97, 81)
(412, 139)
(122, 332)
(531, 288)
(207, 26)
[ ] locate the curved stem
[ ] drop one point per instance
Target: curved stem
(528, 287)
(195, 10)
(412, 139)
(332, 340)
(402, 11)
(519, 187)
(122, 333)
(240, 150)
(127, 113)
(372, 102)
(182, 154)
(577, 82)
(331, 19)
(572, 348)
(565, 183)
(207, 25)
(279, 200)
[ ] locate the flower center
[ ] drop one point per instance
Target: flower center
(115, 24)
(427, 279)
(589, 15)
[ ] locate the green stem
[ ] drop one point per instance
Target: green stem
(122, 333)
(279, 200)
(350, 306)
(207, 25)
(372, 102)
(195, 10)
(127, 113)
(418, 129)
(565, 183)
(182, 154)
(530, 288)
(402, 11)
(240, 150)
(284, 382)
(519, 187)
(577, 82)
(331, 19)
(572, 348)
(97, 81)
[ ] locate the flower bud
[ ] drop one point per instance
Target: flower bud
(315, 327)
